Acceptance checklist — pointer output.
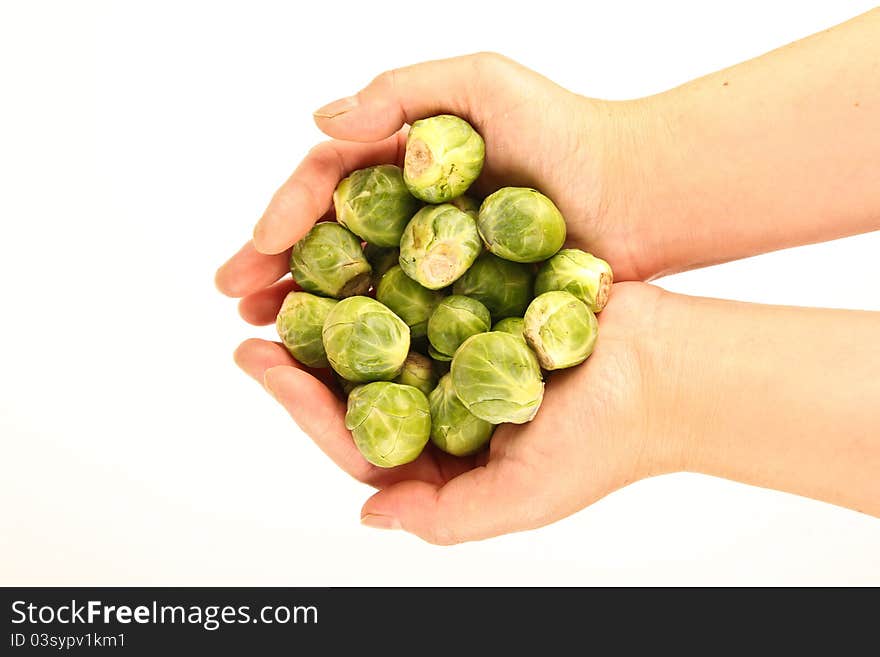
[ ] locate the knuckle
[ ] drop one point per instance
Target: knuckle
(324, 158)
(489, 73)
(490, 60)
(386, 81)
(321, 151)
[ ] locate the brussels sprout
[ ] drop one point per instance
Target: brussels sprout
(444, 155)
(454, 320)
(438, 245)
(504, 287)
(454, 429)
(467, 204)
(299, 324)
(512, 325)
(364, 340)
(390, 423)
(521, 224)
(408, 300)
(437, 356)
(375, 205)
(584, 275)
(381, 260)
(329, 261)
(418, 372)
(497, 377)
(560, 329)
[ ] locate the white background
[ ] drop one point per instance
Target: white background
(139, 142)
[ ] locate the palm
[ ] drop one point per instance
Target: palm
(574, 443)
(520, 154)
(540, 135)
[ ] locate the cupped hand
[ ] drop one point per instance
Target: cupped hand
(537, 134)
(590, 437)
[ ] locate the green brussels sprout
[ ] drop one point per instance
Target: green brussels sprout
(454, 429)
(408, 300)
(364, 340)
(584, 275)
(467, 204)
(444, 155)
(418, 372)
(437, 356)
(521, 224)
(560, 329)
(390, 422)
(512, 325)
(381, 260)
(438, 245)
(299, 324)
(504, 287)
(453, 321)
(329, 261)
(498, 378)
(375, 205)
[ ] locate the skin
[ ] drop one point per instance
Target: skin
(778, 397)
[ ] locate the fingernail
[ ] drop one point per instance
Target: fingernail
(377, 521)
(337, 107)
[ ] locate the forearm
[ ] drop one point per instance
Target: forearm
(774, 152)
(780, 397)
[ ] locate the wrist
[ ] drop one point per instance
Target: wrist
(641, 325)
(678, 395)
(637, 206)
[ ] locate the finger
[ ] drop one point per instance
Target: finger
(321, 415)
(402, 95)
(248, 271)
(261, 308)
(482, 502)
(309, 401)
(256, 356)
(308, 193)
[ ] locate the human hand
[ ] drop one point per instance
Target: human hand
(537, 134)
(686, 178)
(597, 430)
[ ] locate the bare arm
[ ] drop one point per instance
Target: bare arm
(774, 152)
(780, 397)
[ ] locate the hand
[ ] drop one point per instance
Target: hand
(686, 178)
(590, 437)
(537, 134)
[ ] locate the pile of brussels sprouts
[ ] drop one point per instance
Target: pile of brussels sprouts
(439, 314)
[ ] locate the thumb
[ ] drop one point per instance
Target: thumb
(483, 502)
(456, 86)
